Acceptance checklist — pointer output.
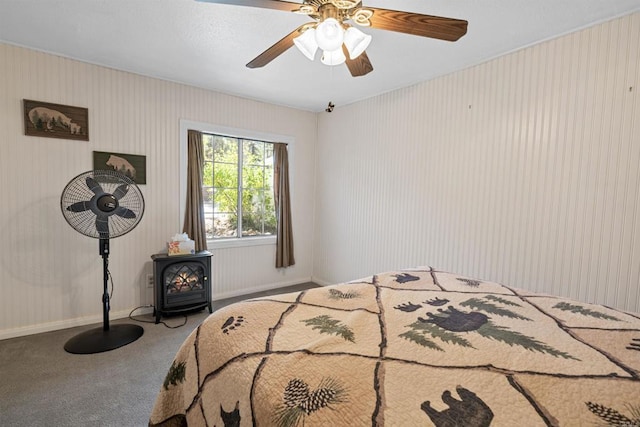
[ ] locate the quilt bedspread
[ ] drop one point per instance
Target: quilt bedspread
(405, 348)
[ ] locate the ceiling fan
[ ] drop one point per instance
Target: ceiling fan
(341, 42)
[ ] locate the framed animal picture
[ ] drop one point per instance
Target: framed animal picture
(55, 120)
(132, 165)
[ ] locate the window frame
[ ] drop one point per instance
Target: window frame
(185, 125)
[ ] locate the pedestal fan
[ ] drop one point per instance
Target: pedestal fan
(103, 204)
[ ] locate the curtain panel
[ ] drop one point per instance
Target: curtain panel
(284, 241)
(194, 213)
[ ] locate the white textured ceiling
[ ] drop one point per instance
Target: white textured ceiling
(207, 45)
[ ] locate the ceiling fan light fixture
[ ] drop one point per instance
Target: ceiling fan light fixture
(329, 34)
(329, 19)
(306, 43)
(356, 42)
(333, 57)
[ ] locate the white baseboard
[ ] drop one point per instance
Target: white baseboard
(82, 321)
(69, 323)
(224, 295)
(321, 282)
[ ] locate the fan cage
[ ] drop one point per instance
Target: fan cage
(84, 222)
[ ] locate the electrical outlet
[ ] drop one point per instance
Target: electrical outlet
(149, 280)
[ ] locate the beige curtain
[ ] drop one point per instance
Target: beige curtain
(284, 244)
(194, 213)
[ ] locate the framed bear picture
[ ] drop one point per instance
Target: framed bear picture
(132, 165)
(55, 120)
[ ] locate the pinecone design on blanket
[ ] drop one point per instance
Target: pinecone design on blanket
(300, 401)
(612, 417)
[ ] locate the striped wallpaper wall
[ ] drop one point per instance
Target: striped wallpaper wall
(50, 275)
(523, 170)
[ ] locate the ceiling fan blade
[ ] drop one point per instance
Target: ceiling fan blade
(124, 212)
(121, 191)
(359, 66)
(79, 206)
(94, 186)
(436, 27)
(277, 49)
(265, 4)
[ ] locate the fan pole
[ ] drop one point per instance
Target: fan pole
(104, 251)
(97, 340)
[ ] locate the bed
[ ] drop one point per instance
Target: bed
(407, 348)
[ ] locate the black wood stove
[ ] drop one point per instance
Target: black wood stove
(181, 283)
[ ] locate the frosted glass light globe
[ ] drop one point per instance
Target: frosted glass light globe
(329, 34)
(356, 42)
(334, 57)
(306, 43)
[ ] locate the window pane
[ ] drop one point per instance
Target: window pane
(253, 177)
(225, 149)
(225, 175)
(270, 223)
(225, 217)
(268, 213)
(208, 225)
(207, 200)
(207, 194)
(268, 178)
(207, 145)
(225, 225)
(225, 200)
(268, 154)
(252, 212)
(207, 174)
(252, 152)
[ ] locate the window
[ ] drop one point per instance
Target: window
(232, 134)
(237, 187)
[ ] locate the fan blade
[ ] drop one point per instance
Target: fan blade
(94, 186)
(124, 212)
(436, 27)
(102, 225)
(265, 4)
(121, 191)
(79, 207)
(359, 66)
(277, 49)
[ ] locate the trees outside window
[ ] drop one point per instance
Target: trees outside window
(238, 187)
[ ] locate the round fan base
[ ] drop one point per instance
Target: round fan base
(98, 340)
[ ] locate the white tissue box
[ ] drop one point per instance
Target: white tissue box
(183, 247)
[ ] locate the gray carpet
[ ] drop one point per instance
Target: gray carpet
(42, 385)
